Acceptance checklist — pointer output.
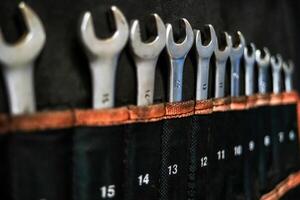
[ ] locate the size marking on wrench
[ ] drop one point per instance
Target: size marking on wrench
(276, 64)
(236, 53)
(249, 57)
(221, 58)
(177, 53)
(145, 57)
(204, 53)
(103, 56)
(18, 63)
(263, 62)
(288, 75)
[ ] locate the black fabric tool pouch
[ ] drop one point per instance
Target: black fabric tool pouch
(39, 164)
(98, 163)
(199, 163)
(175, 154)
(143, 158)
(216, 149)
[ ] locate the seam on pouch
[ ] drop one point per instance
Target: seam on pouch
(283, 187)
(135, 114)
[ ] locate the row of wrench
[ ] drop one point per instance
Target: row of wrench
(103, 54)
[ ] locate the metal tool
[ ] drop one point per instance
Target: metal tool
(276, 64)
(103, 56)
(18, 63)
(221, 58)
(263, 62)
(177, 53)
(145, 57)
(249, 57)
(236, 54)
(288, 75)
(204, 53)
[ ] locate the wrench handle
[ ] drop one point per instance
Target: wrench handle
(276, 81)
(249, 79)
(202, 78)
(20, 88)
(288, 82)
(103, 81)
(220, 79)
(145, 81)
(235, 77)
(176, 80)
(262, 80)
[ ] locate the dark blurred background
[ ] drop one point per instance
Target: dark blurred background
(62, 77)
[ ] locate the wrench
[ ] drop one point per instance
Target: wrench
(249, 57)
(236, 54)
(221, 58)
(276, 64)
(288, 75)
(103, 56)
(263, 62)
(177, 53)
(18, 63)
(145, 57)
(204, 53)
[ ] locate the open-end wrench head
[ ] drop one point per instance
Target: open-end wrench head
(249, 55)
(29, 46)
(288, 68)
(222, 54)
(152, 49)
(103, 47)
(263, 61)
(179, 50)
(237, 49)
(206, 50)
(276, 63)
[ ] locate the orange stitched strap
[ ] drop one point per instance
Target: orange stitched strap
(238, 103)
(282, 188)
(221, 104)
(132, 114)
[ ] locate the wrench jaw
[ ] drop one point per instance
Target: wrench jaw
(177, 53)
(263, 62)
(18, 63)
(206, 50)
(236, 53)
(276, 64)
(104, 47)
(145, 58)
(103, 56)
(249, 57)
(204, 53)
(29, 46)
(151, 49)
(179, 50)
(288, 75)
(221, 58)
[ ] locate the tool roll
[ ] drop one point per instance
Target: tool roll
(236, 144)
(213, 149)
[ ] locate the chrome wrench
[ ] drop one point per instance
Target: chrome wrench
(221, 59)
(177, 53)
(103, 56)
(18, 63)
(236, 54)
(204, 53)
(249, 57)
(276, 64)
(288, 75)
(145, 57)
(263, 62)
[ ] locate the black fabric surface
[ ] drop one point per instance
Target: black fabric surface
(62, 78)
(160, 160)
